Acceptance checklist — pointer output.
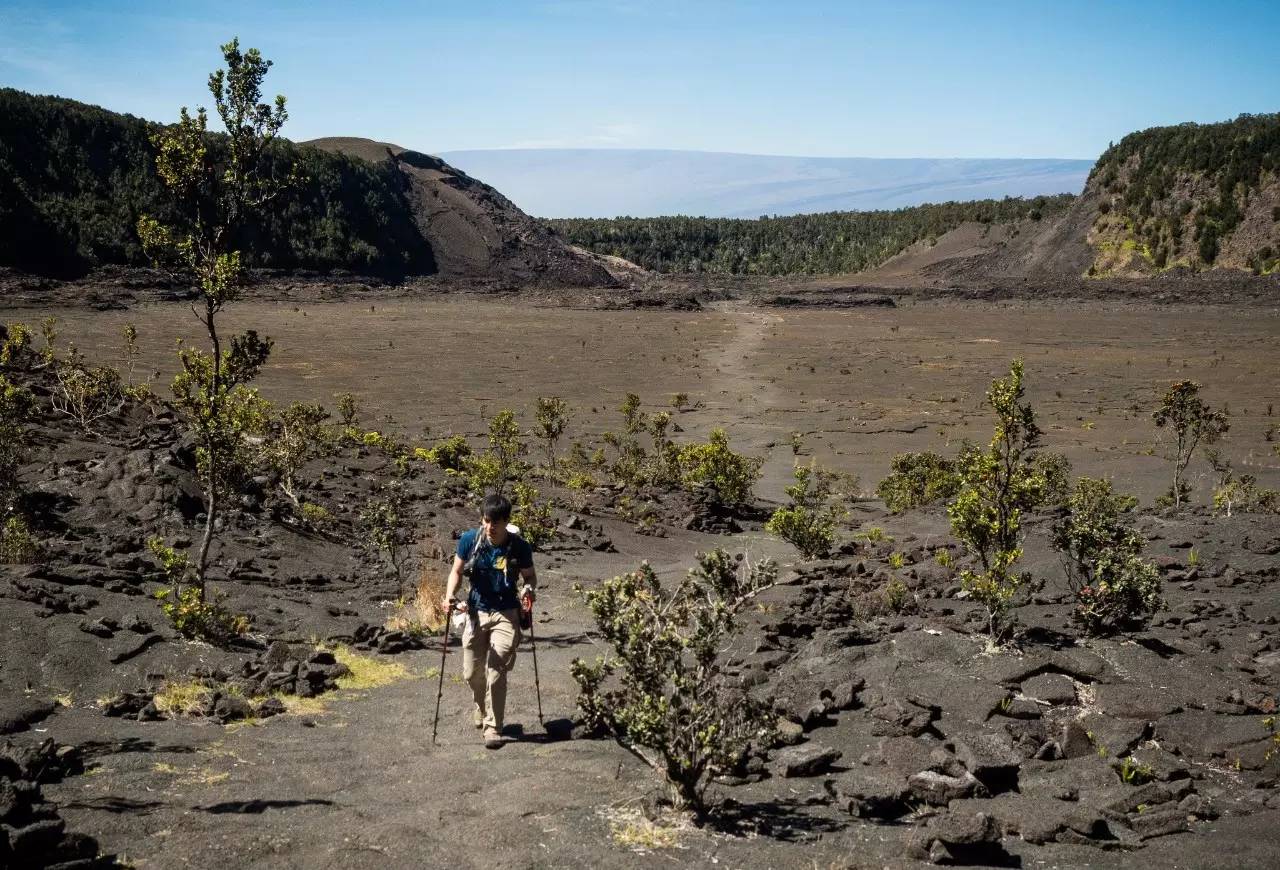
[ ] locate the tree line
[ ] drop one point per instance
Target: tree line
(75, 178)
(1144, 171)
(810, 244)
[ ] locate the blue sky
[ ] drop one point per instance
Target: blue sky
(900, 79)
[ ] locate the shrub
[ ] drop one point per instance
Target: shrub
(537, 526)
(16, 352)
(296, 437)
(17, 407)
(818, 499)
(1243, 494)
(996, 485)
(450, 454)
(17, 546)
(811, 532)
(1192, 422)
(714, 465)
(502, 464)
(1056, 471)
(201, 617)
(551, 415)
(661, 693)
(191, 612)
(316, 516)
(388, 528)
(87, 394)
(1114, 586)
(916, 480)
(634, 465)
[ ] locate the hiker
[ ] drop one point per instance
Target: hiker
(494, 559)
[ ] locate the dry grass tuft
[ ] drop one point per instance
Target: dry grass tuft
(367, 672)
(422, 613)
(629, 829)
(184, 696)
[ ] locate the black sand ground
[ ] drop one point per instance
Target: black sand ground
(931, 726)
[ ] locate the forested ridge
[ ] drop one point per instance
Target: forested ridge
(74, 178)
(811, 244)
(1183, 190)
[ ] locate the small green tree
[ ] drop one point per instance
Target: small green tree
(630, 457)
(1192, 422)
(388, 528)
(996, 485)
(916, 480)
(499, 467)
(531, 514)
(551, 415)
(818, 502)
(1102, 556)
(661, 694)
(192, 613)
(216, 184)
(298, 435)
(348, 409)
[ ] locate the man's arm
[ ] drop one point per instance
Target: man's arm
(530, 578)
(451, 587)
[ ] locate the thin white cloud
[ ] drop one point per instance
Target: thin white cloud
(616, 135)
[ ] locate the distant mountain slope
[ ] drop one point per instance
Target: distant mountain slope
(472, 229)
(1195, 195)
(1189, 197)
(609, 183)
(74, 179)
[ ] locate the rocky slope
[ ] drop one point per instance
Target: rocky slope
(74, 179)
(1168, 200)
(472, 229)
(901, 732)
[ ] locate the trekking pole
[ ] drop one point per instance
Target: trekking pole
(444, 651)
(533, 644)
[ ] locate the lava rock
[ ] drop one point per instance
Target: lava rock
(806, 760)
(270, 707)
(958, 838)
(1051, 688)
(939, 789)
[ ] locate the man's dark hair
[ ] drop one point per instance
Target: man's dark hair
(496, 508)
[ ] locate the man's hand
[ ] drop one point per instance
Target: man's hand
(450, 605)
(528, 592)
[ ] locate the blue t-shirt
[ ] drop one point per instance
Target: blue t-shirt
(497, 573)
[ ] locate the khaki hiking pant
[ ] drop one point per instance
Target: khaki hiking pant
(488, 651)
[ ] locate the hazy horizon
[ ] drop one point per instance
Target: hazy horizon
(916, 79)
(609, 182)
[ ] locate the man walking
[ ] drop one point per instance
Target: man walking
(493, 559)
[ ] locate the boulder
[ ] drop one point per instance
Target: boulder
(1052, 688)
(958, 838)
(990, 756)
(805, 760)
(940, 789)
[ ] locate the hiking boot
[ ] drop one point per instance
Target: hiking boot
(477, 717)
(492, 739)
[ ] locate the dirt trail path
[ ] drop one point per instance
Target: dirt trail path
(752, 401)
(358, 783)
